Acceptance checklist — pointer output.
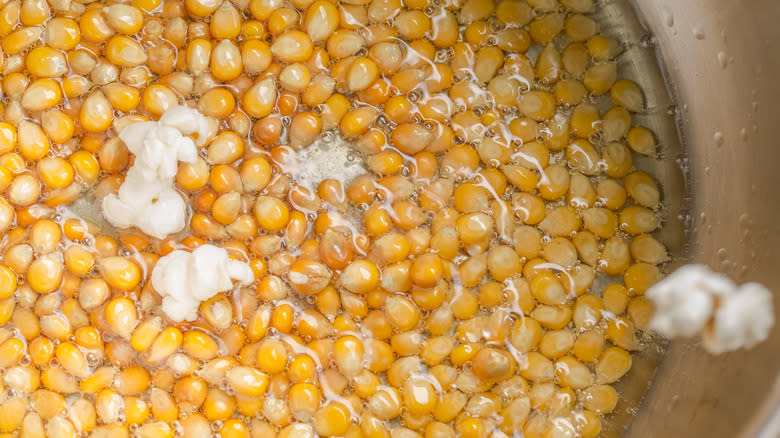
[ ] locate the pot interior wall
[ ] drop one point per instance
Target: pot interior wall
(721, 57)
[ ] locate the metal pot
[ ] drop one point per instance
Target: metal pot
(722, 63)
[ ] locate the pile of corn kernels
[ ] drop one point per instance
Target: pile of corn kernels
(444, 292)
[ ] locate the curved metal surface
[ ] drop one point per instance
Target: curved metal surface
(723, 62)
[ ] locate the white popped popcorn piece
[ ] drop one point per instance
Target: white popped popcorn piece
(184, 279)
(188, 121)
(694, 300)
(742, 320)
(147, 198)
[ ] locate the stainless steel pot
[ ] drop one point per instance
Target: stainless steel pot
(722, 61)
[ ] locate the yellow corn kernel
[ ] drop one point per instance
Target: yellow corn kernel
(86, 166)
(218, 405)
(5, 177)
(292, 46)
(120, 272)
(24, 379)
(419, 396)
(640, 309)
(401, 312)
(201, 8)
(474, 228)
(620, 331)
(572, 373)
(640, 276)
(94, 27)
(226, 61)
(641, 140)
(149, 5)
(41, 350)
(304, 399)
(348, 353)
(612, 365)
(34, 12)
(108, 405)
(60, 427)
(62, 33)
(627, 94)
(271, 213)
(332, 420)
(11, 352)
(11, 414)
(45, 274)
(75, 229)
(122, 97)
(21, 39)
(272, 356)
(357, 121)
(7, 307)
(638, 220)
(133, 380)
(32, 426)
(89, 338)
(166, 343)
(8, 282)
(75, 86)
(226, 22)
(163, 405)
(78, 260)
(283, 318)
(55, 326)
(10, 16)
(13, 162)
(47, 403)
(589, 345)
(247, 381)
(305, 128)
(45, 62)
(200, 345)
(18, 258)
(72, 359)
(643, 189)
(320, 20)
(136, 410)
(58, 126)
(126, 19)
(600, 78)
(234, 428)
(55, 172)
(360, 276)
(259, 100)
(157, 429)
(198, 55)
(301, 369)
(122, 316)
(33, 143)
(7, 138)
(195, 425)
(334, 109)
(362, 73)
(158, 98)
(100, 379)
(96, 114)
(217, 102)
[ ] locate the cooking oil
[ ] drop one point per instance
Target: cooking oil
(448, 197)
(642, 62)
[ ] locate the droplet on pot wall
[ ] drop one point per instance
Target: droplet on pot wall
(698, 32)
(719, 139)
(723, 59)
